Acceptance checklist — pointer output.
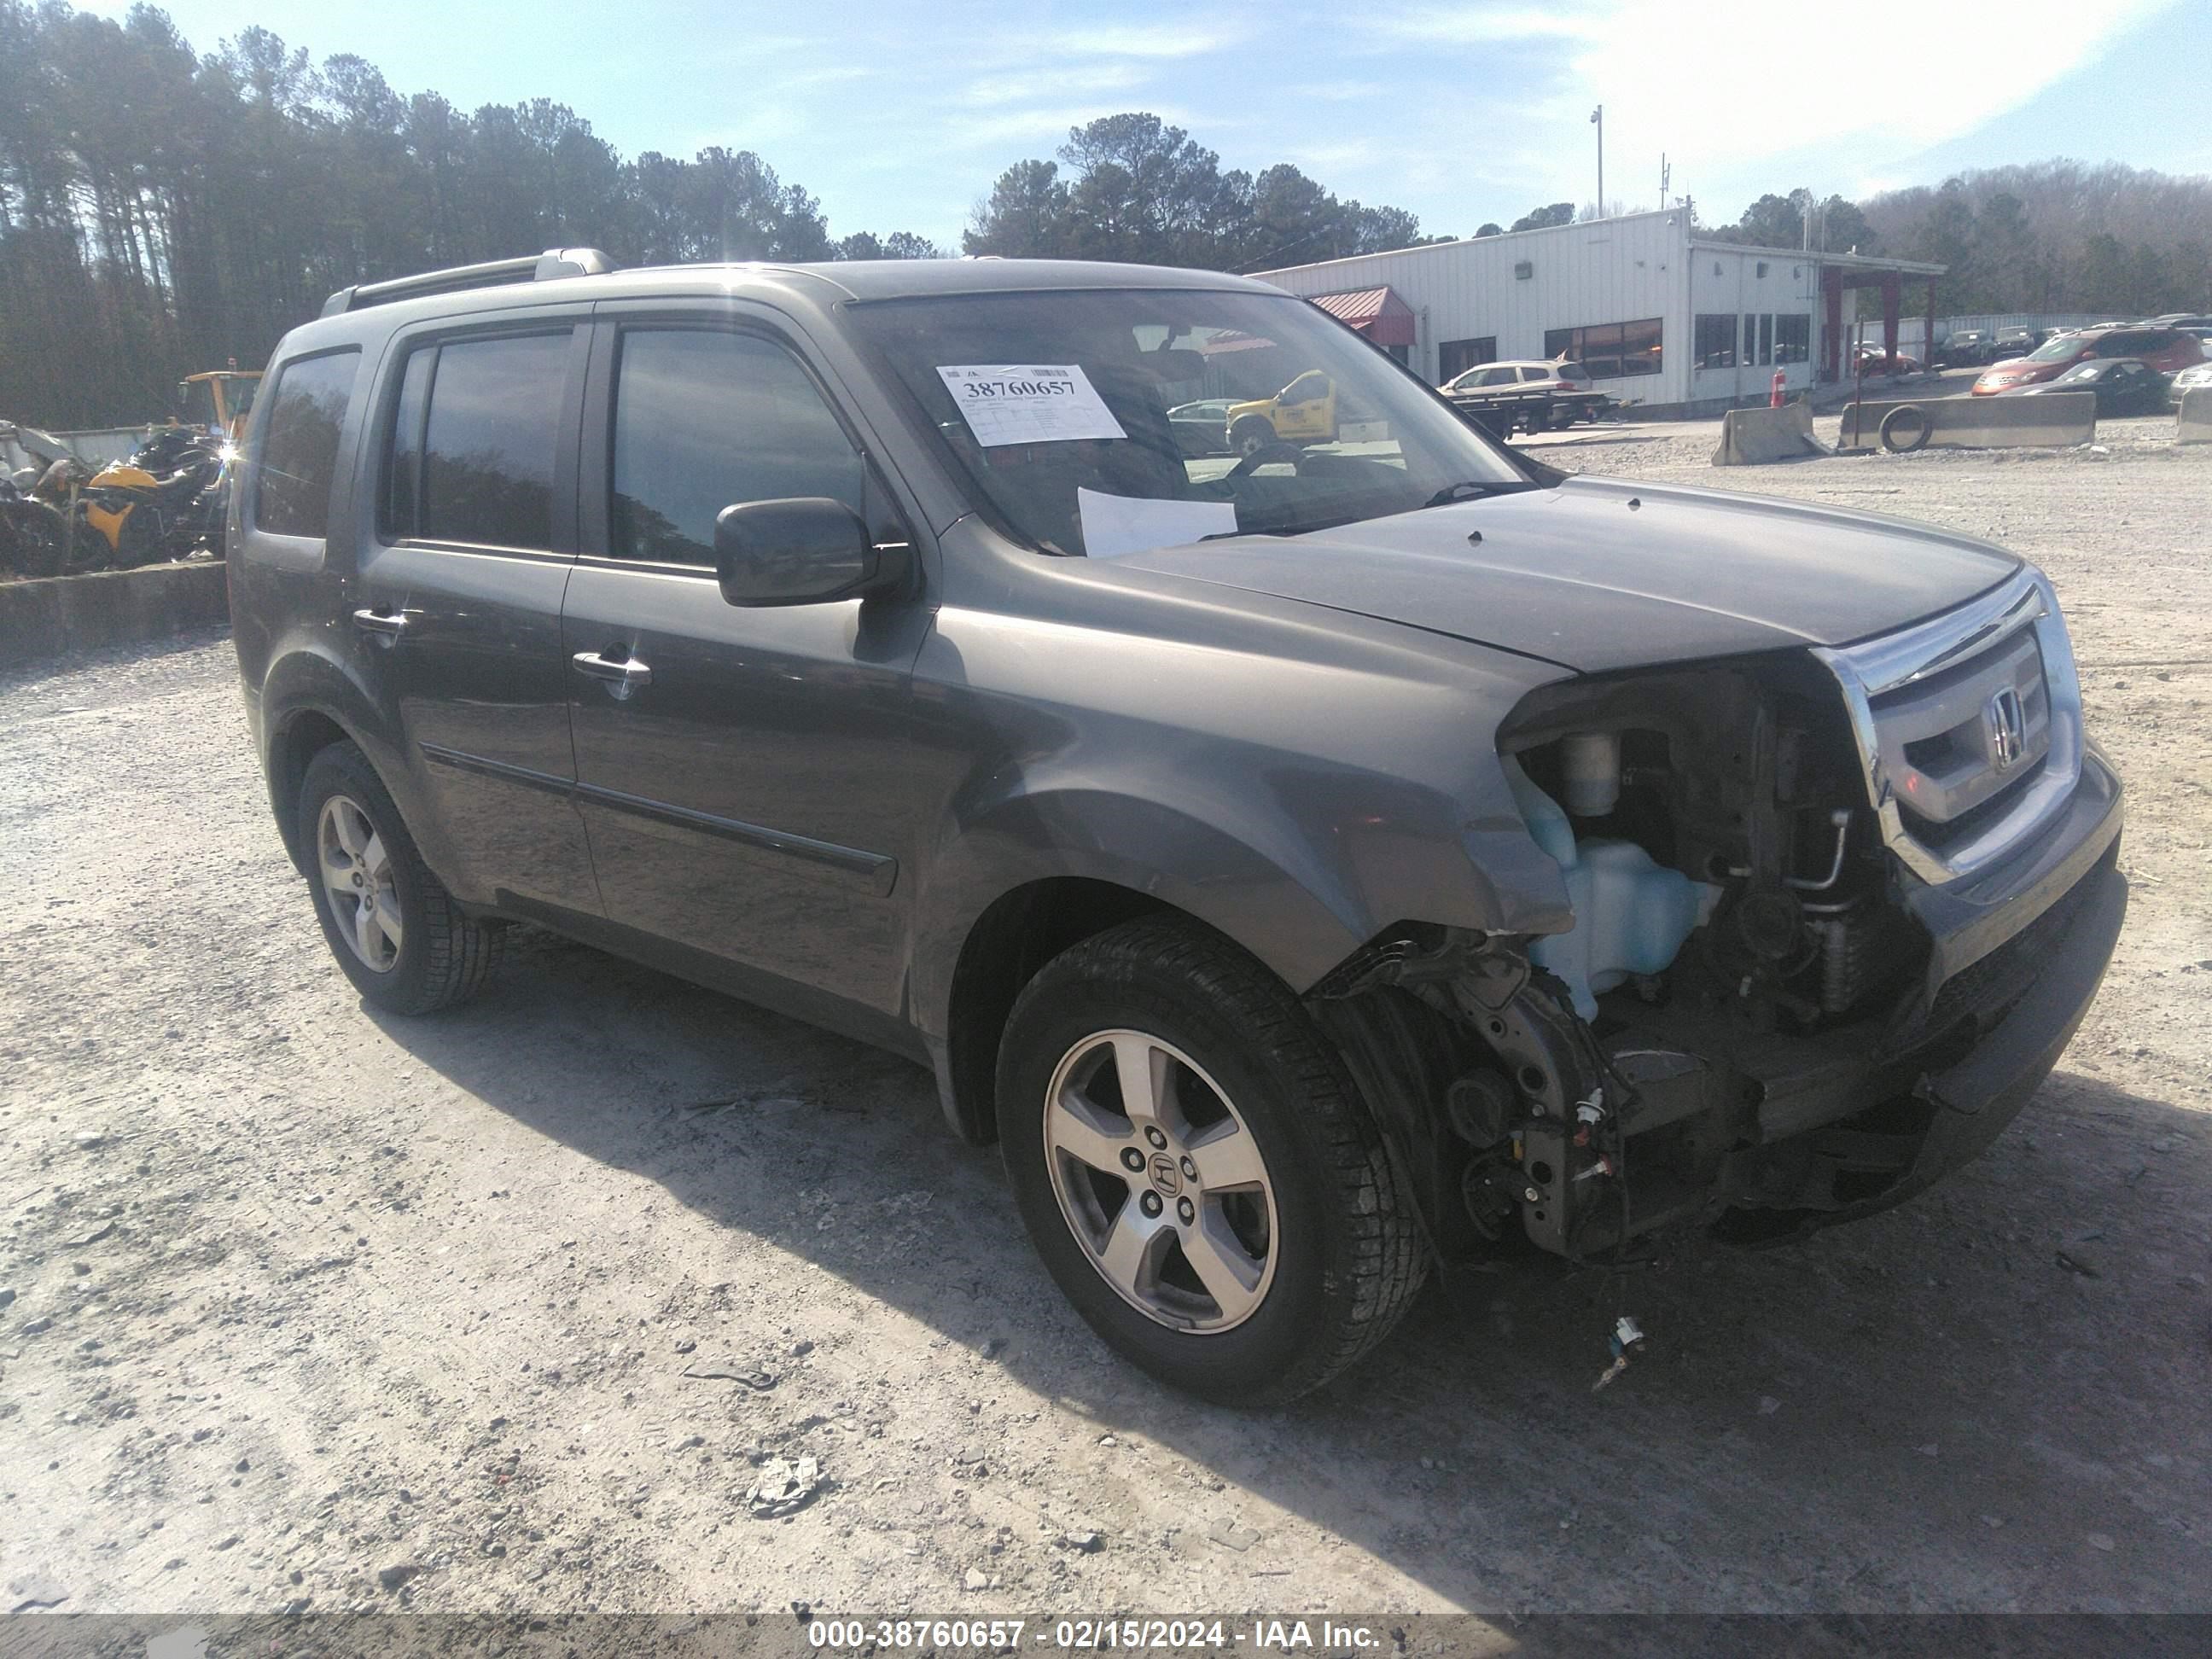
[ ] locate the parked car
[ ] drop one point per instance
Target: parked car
(1547, 376)
(2014, 343)
(2196, 377)
(2168, 350)
(2122, 385)
(1202, 428)
(1310, 874)
(1303, 412)
(1873, 360)
(1966, 348)
(1532, 397)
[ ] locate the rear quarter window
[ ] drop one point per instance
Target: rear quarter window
(300, 444)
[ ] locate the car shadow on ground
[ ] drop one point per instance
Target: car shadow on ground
(1921, 1401)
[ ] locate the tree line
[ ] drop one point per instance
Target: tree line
(2043, 237)
(163, 211)
(1134, 188)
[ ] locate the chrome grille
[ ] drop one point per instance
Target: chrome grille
(1969, 726)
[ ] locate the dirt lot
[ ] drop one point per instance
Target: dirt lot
(302, 1297)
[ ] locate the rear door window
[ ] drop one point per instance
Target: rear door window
(471, 456)
(706, 419)
(300, 446)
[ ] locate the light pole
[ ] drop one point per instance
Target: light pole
(1597, 119)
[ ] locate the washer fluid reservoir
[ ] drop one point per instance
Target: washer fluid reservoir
(1632, 914)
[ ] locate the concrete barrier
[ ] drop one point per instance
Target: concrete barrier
(1752, 437)
(2195, 418)
(2050, 421)
(55, 614)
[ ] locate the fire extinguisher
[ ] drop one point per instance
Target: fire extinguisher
(1774, 390)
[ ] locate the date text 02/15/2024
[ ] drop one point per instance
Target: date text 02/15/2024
(1089, 1635)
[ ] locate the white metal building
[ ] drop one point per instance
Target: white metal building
(1657, 315)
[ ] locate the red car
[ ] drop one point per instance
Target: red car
(2168, 350)
(1874, 361)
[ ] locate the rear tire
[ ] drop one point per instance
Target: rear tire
(1304, 1249)
(395, 930)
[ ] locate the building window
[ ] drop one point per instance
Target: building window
(1609, 351)
(1716, 340)
(1766, 339)
(1456, 358)
(1793, 338)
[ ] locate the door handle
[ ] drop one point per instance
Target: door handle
(625, 674)
(376, 622)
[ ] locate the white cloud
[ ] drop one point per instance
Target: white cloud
(1089, 78)
(1473, 26)
(1732, 84)
(1146, 40)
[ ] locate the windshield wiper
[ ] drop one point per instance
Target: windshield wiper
(1463, 491)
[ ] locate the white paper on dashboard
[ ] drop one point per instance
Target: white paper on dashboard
(1028, 402)
(1116, 524)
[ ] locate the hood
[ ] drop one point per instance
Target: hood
(2018, 371)
(1602, 574)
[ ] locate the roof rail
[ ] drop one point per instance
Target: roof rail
(536, 268)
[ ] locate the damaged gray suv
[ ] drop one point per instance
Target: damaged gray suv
(1372, 853)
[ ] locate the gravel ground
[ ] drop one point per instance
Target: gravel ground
(508, 1309)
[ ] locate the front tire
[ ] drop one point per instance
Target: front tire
(1252, 434)
(1194, 1167)
(403, 941)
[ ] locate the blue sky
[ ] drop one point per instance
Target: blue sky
(900, 115)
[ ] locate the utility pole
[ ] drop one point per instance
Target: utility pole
(1665, 173)
(1597, 118)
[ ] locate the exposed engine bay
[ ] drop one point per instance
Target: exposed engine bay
(1741, 1025)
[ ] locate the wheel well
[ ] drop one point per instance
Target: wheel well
(306, 735)
(1021, 932)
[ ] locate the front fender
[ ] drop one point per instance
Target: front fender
(1301, 868)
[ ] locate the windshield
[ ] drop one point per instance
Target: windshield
(1057, 406)
(2055, 351)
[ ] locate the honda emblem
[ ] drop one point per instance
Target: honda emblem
(2007, 726)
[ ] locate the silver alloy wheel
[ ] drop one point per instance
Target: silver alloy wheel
(1161, 1182)
(357, 878)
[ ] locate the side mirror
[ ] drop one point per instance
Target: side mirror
(804, 550)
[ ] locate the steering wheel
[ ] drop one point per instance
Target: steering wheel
(1259, 457)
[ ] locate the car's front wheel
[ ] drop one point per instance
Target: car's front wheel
(396, 930)
(1252, 434)
(1196, 1169)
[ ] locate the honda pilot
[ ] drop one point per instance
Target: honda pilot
(1313, 867)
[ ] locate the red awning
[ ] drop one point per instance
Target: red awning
(1377, 313)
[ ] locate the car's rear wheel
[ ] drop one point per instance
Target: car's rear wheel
(396, 932)
(1196, 1169)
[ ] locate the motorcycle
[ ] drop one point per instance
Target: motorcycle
(34, 535)
(165, 502)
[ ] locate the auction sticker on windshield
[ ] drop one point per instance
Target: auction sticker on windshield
(1028, 402)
